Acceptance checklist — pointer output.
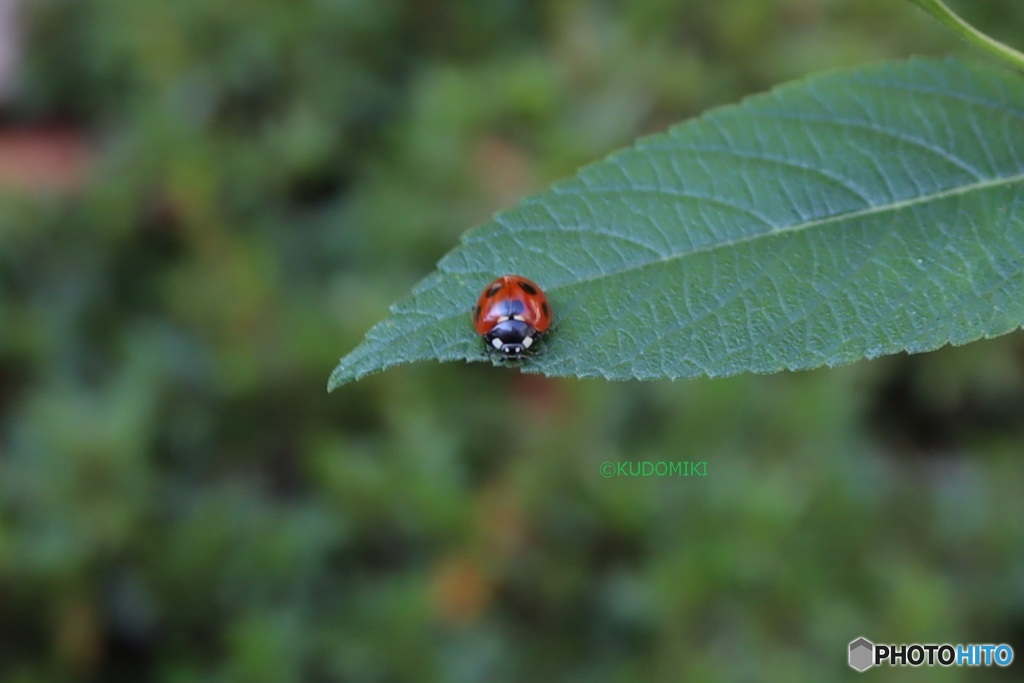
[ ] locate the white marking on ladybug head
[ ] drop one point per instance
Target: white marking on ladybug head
(497, 343)
(502, 318)
(527, 341)
(519, 318)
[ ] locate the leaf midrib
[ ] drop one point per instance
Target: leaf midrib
(711, 247)
(818, 222)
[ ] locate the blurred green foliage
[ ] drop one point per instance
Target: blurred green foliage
(181, 501)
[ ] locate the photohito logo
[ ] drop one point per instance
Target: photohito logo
(864, 654)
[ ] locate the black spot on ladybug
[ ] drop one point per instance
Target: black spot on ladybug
(544, 307)
(529, 289)
(492, 291)
(476, 312)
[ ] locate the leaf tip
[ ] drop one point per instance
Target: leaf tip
(338, 377)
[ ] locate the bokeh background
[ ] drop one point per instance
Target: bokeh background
(204, 203)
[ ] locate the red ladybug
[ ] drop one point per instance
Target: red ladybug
(512, 314)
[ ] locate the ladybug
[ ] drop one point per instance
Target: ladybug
(512, 314)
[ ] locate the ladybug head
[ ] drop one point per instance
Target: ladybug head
(512, 338)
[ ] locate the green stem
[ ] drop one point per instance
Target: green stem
(938, 9)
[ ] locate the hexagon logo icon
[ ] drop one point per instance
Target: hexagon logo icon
(862, 654)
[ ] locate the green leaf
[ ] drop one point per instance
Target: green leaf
(993, 47)
(845, 217)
